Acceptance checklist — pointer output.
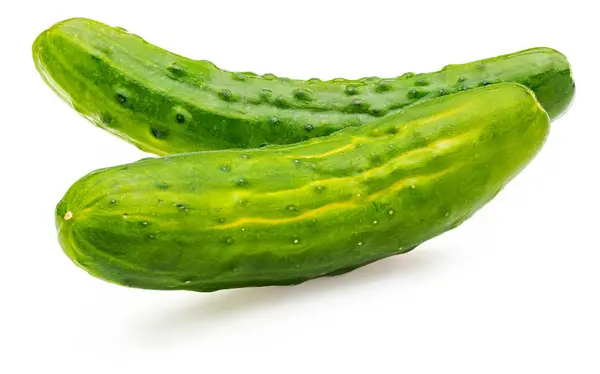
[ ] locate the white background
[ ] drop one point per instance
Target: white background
(513, 290)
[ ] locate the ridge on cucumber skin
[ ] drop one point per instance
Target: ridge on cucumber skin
(165, 103)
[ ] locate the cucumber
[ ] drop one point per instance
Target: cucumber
(165, 103)
(284, 214)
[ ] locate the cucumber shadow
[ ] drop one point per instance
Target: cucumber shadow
(207, 311)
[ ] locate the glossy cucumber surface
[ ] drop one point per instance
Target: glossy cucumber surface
(282, 215)
(165, 103)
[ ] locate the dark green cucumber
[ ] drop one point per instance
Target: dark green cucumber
(281, 215)
(165, 103)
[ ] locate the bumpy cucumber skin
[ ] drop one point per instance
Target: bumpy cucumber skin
(165, 103)
(282, 215)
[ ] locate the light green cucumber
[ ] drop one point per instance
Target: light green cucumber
(282, 215)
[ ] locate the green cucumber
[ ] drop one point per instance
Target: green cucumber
(165, 103)
(284, 214)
